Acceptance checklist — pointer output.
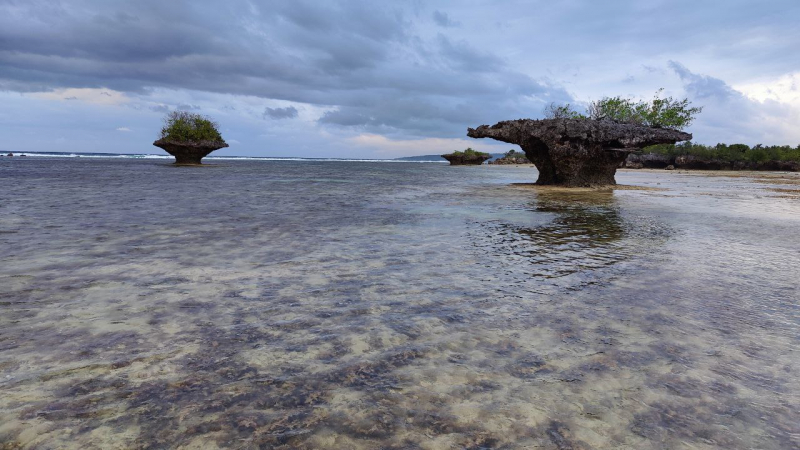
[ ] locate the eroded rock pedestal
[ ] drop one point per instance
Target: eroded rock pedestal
(189, 153)
(577, 152)
(475, 159)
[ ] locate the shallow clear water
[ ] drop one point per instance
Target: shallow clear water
(374, 305)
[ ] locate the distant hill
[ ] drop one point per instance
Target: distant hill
(439, 158)
(421, 158)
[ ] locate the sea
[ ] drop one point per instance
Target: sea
(425, 159)
(285, 303)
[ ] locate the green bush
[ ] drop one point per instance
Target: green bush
(554, 111)
(724, 152)
(659, 112)
(183, 126)
(469, 152)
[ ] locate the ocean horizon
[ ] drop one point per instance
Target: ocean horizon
(3, 153)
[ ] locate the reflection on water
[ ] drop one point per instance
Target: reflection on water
(583, 235)
(368, 305)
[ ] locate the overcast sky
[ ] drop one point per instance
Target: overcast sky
(382, 79)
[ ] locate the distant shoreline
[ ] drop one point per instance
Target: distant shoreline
(221, 158)
(149, 156)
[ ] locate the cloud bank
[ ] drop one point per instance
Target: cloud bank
(303, 77)
(288, 112)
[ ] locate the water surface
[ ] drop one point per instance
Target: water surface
(284, 304)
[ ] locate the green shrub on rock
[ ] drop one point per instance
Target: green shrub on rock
(183, 126)
(554, 111)
(469, 152)
(659, 112)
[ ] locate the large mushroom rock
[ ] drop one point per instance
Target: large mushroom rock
(577, 152)
(189, 152)
(468, 159)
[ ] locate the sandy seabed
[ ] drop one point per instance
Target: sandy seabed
(380, 306)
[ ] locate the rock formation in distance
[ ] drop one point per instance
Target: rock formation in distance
(468, 157)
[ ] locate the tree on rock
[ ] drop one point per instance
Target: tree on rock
(571, 149)
(189, 137)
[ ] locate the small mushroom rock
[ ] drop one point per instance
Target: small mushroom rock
(468, 157)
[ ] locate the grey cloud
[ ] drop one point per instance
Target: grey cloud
(444, 20)
(187, 107)
(439, 101)
(728, 115)
(651, 69)
(463, 57)
(386, 69)
(702, 86)
(288, 112)
(361, 58)
(68, 31)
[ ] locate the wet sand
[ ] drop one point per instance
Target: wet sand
(375, 305)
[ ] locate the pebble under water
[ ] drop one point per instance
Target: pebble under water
(358, 305)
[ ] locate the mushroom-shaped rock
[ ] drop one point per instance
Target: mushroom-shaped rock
(190, 152)
(189, 137)
(466, 158)
(577, 152)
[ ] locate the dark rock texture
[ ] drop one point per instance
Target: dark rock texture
(466, 160)
(189, 153)
(577, 152)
